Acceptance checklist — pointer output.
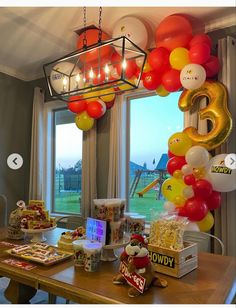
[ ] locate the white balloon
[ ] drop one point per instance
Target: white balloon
(197, 156)
(186, 169)
(169, 206)
(222, 178)
(104, 107)
(192, 76)
(133, 29)
(192, 226)
(59, 77)
(188, 192)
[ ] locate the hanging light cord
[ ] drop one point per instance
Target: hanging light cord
(99, 25)
(85, 36)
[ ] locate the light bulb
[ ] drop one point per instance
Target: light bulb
(124, 64)
(106, 69)
(91, 73)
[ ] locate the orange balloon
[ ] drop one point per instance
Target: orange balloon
(92, 38)
(174, 31)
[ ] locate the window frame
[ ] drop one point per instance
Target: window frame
(50, 110)
(127, 100)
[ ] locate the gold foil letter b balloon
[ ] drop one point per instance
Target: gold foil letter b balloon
(216, 111)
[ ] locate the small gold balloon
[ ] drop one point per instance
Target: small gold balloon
(199, 173)
(178, 174)
(83, 121)
(216, 111)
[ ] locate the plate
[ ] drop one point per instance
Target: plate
(57, 256)
(38, 233)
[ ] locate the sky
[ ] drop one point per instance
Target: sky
(68, 145)
(153, 120)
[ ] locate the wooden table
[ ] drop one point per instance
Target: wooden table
(213, 282)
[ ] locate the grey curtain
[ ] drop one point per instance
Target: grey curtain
(225, 217)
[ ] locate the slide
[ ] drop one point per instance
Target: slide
(149, 186)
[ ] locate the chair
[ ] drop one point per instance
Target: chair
(203, 240)
(71, 222)
(3, 211)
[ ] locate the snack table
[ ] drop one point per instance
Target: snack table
(213, 282)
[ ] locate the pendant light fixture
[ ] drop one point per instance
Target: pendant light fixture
(104, 68)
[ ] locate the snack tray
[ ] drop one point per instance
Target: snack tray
(60, 255)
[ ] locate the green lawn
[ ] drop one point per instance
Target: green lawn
(68, 202)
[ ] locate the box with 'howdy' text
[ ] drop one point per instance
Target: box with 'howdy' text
(176, 263)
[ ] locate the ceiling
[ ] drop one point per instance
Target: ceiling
(33, 36)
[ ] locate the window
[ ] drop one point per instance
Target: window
(67, 167)
(153, 119)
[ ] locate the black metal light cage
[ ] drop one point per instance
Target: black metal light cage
(77, 81)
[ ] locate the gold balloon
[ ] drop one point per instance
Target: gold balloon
(108, 95)
(83, 121)
(199, 173)
(206, 223)
(179, 201)
(178, 174)
(216, 111)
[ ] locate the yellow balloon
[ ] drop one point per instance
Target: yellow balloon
(94, 94)
(109, 95)
(179, 201)
(216, 111)
(83, 121)
(206, 223)
(179, 58)
(172, 188)
(179, 143)
(146, 67)
(161, 91)
(126, 86)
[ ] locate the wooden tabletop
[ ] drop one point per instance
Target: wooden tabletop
(213, 282)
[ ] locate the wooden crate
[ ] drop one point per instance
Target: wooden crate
(172, 262)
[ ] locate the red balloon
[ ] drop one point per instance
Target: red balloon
(175, 163)
(92, 38)
(199, 53)
(99, 79)
(202, 188)
(158, 58)
(214, 200)
(199, 39)
(195, 208)
(182, 211)
(171, 80)
(189, 179)
(170, 154)
(94, 109)
(151, 80)
(130, 70)
(212, 66)
(110, 104)
(174, 31)
(77, 106)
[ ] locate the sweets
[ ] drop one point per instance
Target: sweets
(39, 252)
(66, 240)
(168, 232)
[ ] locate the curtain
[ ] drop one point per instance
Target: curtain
(116, 187)
(225, 217)
(37, 146)
(89, 165)
(191, 117)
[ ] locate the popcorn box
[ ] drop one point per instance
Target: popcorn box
(176, 263)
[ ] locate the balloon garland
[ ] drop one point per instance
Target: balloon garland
(179, 60)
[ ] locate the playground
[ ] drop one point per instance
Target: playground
(145, 189)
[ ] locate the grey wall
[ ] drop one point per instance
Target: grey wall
(15, 133)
